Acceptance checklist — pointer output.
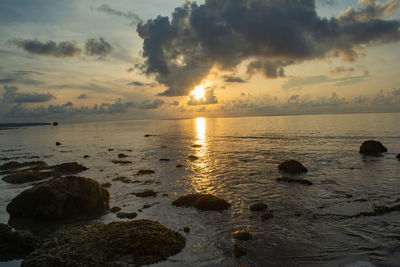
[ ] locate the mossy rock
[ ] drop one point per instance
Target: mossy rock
(372, 147)
(137, 243)
(292, 166)
(202, 202)
(60, 198)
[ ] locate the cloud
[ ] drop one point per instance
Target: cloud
(138, 83)
(181, 51)
(50, 48)
(10, 95)
(341, 69)
(100, 48)
(328, 2)
(371, 9)
(298, 82)
(148, 104)
(396, 92)
(107, 9)
(7, 80)
(233, 79)
(208, 99)
(82, 96)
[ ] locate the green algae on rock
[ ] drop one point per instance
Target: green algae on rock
(137, 243)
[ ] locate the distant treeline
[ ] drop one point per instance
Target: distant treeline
(15, 125)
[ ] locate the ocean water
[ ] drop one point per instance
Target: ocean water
(238, 161)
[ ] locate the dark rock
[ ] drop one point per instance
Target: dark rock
(164, 159)
(110, 149)
(115, 209)
(380, 210)
(60, 198)
(298, 213)
(242, 235)
(68, 168)
(202, 202)
(165, 195)
(292, 166)
(122, 179)
(58, 143)
(193, 157)
(106, 185)
(126, 215)
(134, 243)
(148, 135)
(291, 180)
(179, 166)
(15, 244)
(259, 206)
(122, 155)
(146, 193)
(13, 165)
(141, 172)
(361, 200)
(267, 216)
(349, 195)
(398, 156)
(239, 251)
(146, 206)
(86, 156)
(121, 161)
(186, 229)
(196, 146)
(372, 148)
(55, 123)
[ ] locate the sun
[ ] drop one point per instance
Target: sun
(198, 92)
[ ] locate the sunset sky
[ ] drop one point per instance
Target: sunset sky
(73, 60)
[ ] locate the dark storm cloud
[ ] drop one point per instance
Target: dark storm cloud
(107, 9)
(97, 47)
(50, 48)
(148, 104)
(272, 34)
(233, 79)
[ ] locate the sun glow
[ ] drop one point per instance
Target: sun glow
(199, 92)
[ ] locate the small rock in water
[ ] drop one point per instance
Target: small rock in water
(115, 209)
(202, 202)
(267, 216)
(110, 149)
(179, 166)
(239, 251)
(398, 156)
(193, 157)
(196, 146)
(126, 215)
(146, 193)
(58, 143)
(122, 179)
(372, 148)
(86, 156)
(186, 229)
(164, 159)
(259, 206)
(122, 155)
(298, 213)
(121, 161)
(106, 185)
(291, 180)
(141, 172)
(242, 235)
(292, 166)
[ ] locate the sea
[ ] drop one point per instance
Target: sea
(238, 158)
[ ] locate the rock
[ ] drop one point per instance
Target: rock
(291, 180)
(398, 156)
(122, 155)
(380, 210)
(298, 213)
(196, 146)
(202, 202)
(372, 148)
(86, 156)
(13, 165)
(110, 149)
(164, 159)
(146, 206)
(42, 171)
(242, 235)
(133, 243)
(146, 193)
(292, 166)
(58, 143)
(141, 172)
(122, 179)
(239, 251)
(267, 216)
(106, 185)
(165, 195)
(186, 229)
(259, 206)
(126, 215)
(115, 209)
(193, 157)
(121, 161)
(179, 166)
(15, 244)
(148, 135)
(60, 198)
(55, 123)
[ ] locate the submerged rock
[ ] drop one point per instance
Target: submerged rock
(15, 244)
(106, 185)
(267, 216)
(292, 166)
(126, 215)
(122, 155)
(60, 198)
(146, 193)
(291, 180)
(202, 202)
(242, 235)
(13, 165)
(136, 243)
(259, 206)
(164, 159)
(141, 172)
(372, 148)
(196, 145)
(58, 143)
(186, 229)
(122, 179)
(239, 251)
(398, 156)
(193, 157)
(115, 209)
(380, 210)
(179, 166)
(121, 161)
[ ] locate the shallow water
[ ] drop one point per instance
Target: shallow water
(238, 161)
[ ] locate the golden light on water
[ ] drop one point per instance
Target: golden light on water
(199, 92)
(201, 131)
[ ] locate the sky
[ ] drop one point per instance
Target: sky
(91, 60)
